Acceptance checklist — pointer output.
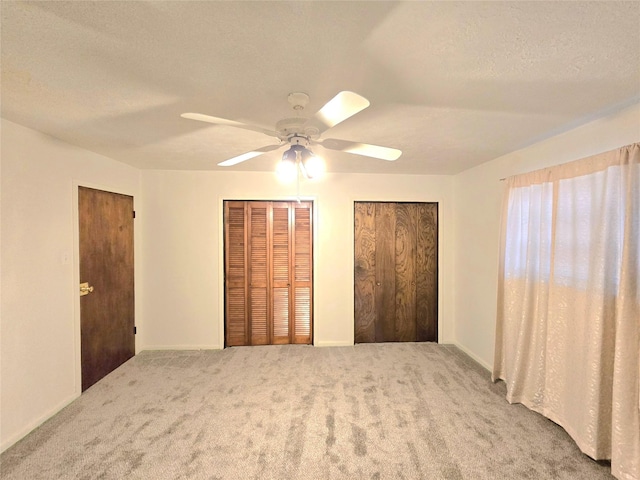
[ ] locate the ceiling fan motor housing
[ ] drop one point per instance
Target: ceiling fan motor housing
(290, 126)
(293, 128)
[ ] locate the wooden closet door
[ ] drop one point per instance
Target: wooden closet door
(281, 271)
(258, 272)
(385, 272)
(236, 312)
(395, 290)
(365, 272)
(268, 273)
(405, 270)
(302, 275)
(427, 273)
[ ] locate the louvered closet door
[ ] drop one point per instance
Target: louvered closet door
(258, 270)
(236, 313)
(281, 241)
(303, 273)
(268, 273)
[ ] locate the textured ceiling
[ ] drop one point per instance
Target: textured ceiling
(451, 84)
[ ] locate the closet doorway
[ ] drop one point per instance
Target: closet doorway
(268, 251)
(396, 272)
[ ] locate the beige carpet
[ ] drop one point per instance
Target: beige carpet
(387, 411)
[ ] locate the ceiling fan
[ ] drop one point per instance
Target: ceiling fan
(300, 132)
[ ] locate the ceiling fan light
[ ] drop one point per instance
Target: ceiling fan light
(313, 167)
(289, 155)
(286, 169)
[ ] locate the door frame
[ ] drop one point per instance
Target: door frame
(76, 273)
(352, 262)
(221, 282)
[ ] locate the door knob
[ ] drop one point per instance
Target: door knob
(378, 283)
(85, 289)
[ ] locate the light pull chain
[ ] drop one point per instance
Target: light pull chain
(299, 172)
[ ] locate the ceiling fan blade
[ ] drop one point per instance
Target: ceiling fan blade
(365, 149)
(232, 123)
(339, 108)
(246, 156)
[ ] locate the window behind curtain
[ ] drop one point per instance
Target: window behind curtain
(568, 316)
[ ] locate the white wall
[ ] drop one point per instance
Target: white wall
(183, 264)
(477, 209)
(39, 330)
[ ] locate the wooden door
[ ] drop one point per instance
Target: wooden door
(106, 263)
(268, 273)
(281, 257)
(258, 272)
(384, 268)
(427, 272)
(406, 270)
(302, 274)
(396, 286)
(236, 278)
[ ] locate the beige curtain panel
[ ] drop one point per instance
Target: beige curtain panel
(568, 322)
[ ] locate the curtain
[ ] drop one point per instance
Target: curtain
(568, 320)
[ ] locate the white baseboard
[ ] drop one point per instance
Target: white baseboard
(180, 347)
(473, 355)
(330, 343)
(13, 439)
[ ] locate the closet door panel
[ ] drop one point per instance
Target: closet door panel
(427, 273)
(395, 272)
(281, 271)
(268, 273)
(405, 253)
(385, 265)
(365, 272)
(236, 280)
(302, 278)
(259, 284)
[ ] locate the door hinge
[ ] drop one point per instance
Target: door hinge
(135, 330)
(134, 214)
